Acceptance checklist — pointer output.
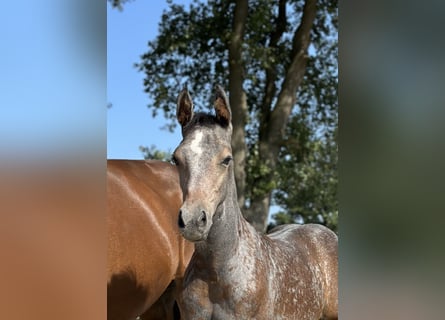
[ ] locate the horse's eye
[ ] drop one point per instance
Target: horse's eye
(173, 160)
(226, 161)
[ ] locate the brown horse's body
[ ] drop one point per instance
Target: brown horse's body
(145, 250)
(235, 272)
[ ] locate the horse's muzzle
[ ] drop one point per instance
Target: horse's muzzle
(193, 227)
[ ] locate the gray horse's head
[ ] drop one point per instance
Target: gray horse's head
(204, 160)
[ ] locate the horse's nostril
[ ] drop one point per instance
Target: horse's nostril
(181, 223)
(203, 218)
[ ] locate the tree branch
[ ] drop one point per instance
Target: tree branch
(271, 140)
(271, 74)
(295, 73)
(280, 24)
(238, 96)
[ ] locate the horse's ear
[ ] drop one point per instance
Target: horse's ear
(184, 110)
(222, 107)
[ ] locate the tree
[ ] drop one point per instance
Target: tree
(301, 198)
(118, 3)
(278, 60)
(154, 153)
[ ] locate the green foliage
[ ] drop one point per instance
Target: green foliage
(117, 4)
(256, 171)
(308, 180)
(192, 47)
(154, 153)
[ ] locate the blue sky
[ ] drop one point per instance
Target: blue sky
(52, 78)
(56, 78)
(129, 121)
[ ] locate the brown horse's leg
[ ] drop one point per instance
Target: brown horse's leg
(164, 307)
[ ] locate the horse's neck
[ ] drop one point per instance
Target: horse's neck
(224, 236)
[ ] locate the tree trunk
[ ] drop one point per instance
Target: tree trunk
(238, 97)
(272, 131)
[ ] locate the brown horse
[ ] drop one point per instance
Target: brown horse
(145, 250)
(236, 273)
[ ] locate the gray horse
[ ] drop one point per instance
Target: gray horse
(235, 272)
